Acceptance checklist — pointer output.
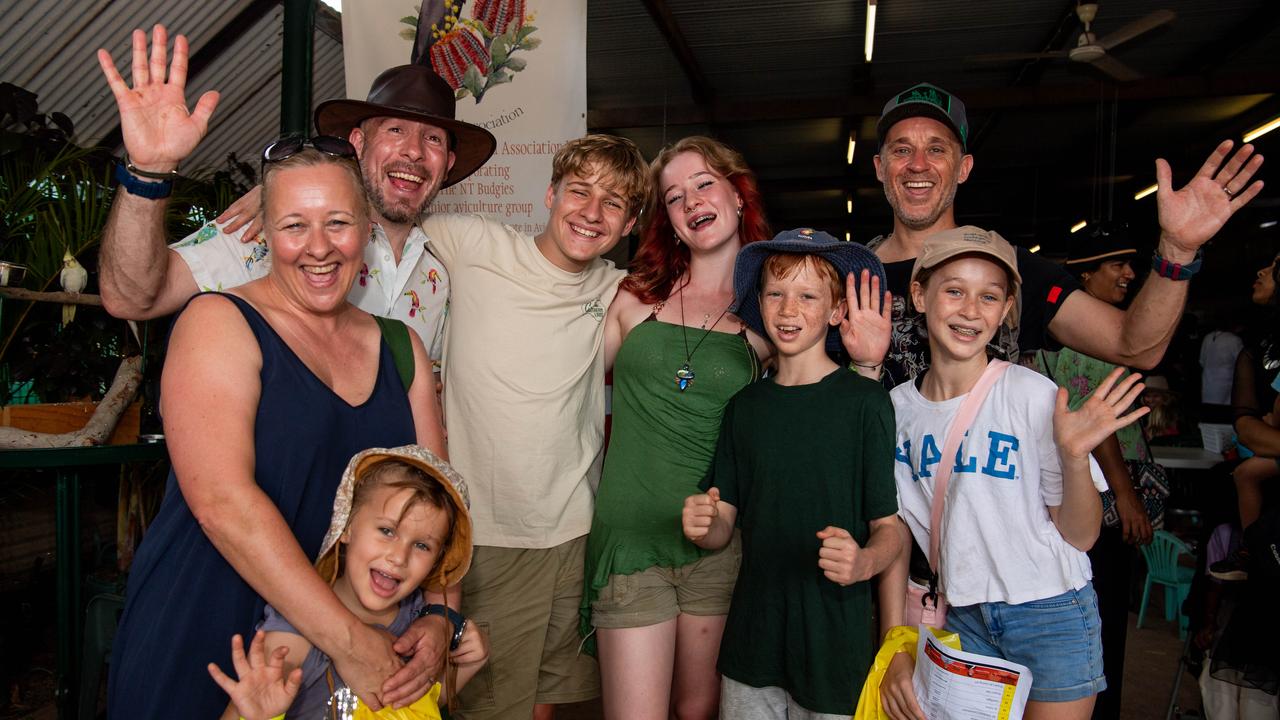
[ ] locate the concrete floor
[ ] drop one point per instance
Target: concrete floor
(1151, 658)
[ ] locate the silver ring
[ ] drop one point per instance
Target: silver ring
(1227, 190)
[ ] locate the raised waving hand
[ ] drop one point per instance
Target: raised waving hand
(158, 129)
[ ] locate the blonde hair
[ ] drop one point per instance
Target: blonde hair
(310, 157)
(616, 159)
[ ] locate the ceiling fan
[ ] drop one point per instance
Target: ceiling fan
(1093, 49)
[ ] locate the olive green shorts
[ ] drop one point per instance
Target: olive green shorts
(527, 600)
(659, 594)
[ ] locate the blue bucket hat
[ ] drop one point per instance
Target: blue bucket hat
(846, 257)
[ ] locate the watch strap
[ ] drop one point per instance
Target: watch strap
(141, 188)
(1174, 271)
(454, 617)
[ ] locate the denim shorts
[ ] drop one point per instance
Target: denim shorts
(1058, 638)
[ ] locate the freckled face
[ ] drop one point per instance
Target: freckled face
(797, 311)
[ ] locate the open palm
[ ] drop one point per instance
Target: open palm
(1189, 217)
(1078, 433)
(158, 130)
(865, 329)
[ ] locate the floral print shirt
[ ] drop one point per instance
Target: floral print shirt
(415, 291)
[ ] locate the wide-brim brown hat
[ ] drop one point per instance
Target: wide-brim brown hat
(413, 92)
(456, 561)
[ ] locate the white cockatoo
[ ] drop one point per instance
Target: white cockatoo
(74, 278)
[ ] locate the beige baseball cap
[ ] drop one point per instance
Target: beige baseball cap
(969, 240)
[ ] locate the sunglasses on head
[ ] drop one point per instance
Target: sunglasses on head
(287, 147)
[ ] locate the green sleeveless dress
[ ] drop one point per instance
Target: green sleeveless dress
(660, 447)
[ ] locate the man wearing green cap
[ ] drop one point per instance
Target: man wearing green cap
(923, 159)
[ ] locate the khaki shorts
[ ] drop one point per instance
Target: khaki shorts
(527, 600)
(658, 594)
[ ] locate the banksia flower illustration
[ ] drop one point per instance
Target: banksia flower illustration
(474, 54)
(499, 15)
(456, 49)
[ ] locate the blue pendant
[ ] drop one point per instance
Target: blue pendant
(684, 377)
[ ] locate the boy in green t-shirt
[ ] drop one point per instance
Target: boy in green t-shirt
(804, 467)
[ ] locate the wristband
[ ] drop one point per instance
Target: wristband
(454, 617)
(128, 165)
(142, 188)
(1172, 270)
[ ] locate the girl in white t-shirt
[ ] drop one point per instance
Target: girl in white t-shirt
(1022, 505)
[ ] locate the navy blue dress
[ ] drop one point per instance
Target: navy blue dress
(184, 601)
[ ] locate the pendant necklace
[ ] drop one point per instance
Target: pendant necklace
(685, 375)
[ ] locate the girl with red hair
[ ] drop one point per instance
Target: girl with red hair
(655, 602)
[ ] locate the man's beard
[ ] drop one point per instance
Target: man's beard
(399, 214)
(920, 223)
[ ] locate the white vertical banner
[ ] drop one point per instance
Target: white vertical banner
(518, 68)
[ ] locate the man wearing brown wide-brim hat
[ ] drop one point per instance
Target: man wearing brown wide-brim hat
(410, 144)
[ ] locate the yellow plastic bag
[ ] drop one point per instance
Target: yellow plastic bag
(426, 708)
(899, 638)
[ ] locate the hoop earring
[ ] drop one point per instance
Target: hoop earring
(676, 235)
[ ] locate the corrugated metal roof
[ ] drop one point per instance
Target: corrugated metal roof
(50, 49)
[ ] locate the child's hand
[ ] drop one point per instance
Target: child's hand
(840, 557)
(263, 690)
(1078, 433)
(474, 647)
(699, 512)
(866, 326)
(897, 695)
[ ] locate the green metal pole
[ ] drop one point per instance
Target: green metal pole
(295, 79)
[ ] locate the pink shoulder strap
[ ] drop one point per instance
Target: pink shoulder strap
(963, 420)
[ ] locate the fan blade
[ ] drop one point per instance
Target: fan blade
(1116, 69)
(1136, 28)
(1015, 57)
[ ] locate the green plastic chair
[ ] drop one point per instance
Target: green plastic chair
(1163, 569)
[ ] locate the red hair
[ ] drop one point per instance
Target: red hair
(660, 260)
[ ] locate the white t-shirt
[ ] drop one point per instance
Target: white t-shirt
(416, 291)
(998, 543)
(524, 381)
(1218, 362)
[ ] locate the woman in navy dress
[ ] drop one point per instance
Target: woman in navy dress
(267, 392)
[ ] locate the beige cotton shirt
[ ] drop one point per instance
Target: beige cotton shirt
(524, 381)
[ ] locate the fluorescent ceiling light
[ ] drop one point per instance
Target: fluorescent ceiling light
(848, 236)
(1035, 248)
(1267, 224)
(849, 205)
(1258, 132)
(849, 155)
(871, 29)
(1145, 192)
(1079, 226)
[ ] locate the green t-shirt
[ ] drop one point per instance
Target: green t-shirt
(794, 460)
